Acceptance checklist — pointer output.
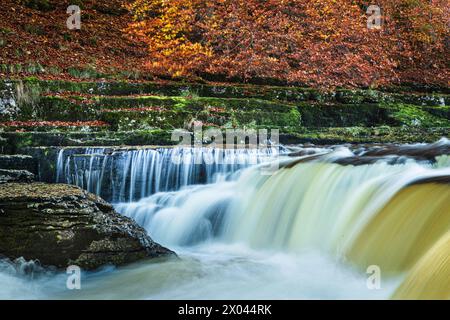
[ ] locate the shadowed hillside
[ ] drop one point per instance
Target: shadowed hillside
(34, 39)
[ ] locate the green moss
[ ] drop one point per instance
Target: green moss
(17, 141)
(442, 112)
(61, 109)
(341, 115)
(163, 112)
(415, 116)
(421, 99)
(87, 72)
(139, 120)
(383, 134)
(42, 5)
(192, 104)
(300, 113)
(240, 91)
(34, 29)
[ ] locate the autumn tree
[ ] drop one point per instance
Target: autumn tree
(321, 42)
(169, 29)
(416, 37)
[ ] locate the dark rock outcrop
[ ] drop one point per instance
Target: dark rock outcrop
(438, 179)
(418, 152)
(16, 176)
(62, 225)
(19, 162)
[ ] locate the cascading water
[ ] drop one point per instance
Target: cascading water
(315, 204)
(371, 214)
(308, 230)
(127, 175)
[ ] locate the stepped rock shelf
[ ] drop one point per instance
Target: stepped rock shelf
(88, 141)
(40, 117)
(58, 113)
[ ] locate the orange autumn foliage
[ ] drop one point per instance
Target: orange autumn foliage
(320, 42)
(167, 28)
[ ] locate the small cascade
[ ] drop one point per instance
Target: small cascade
(373, 214)
(385, 206)
(189, 216)
(399, 234)
(129, 175)
(430, 277)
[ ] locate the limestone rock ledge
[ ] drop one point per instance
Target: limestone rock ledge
(62, 225)
(16, 176)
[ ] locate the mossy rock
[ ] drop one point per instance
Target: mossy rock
(62, 225)
(164, 112)
(342, 115)
(18, 141)
(19, 162)
(139, 120)
(52, 108)
(243, 91)
(147, 112)
(414, 116)
(382, 134)
(441, 112)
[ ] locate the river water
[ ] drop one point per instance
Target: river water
(310, 229)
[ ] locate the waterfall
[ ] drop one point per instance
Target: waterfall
(430, 277)
(310, 228)
(315, 203)
(381, 214)
(126, 175)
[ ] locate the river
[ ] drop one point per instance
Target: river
(313, 228)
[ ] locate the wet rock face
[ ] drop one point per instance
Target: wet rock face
(15, 176)
(8, 105)
(18, 162)
(62, 225)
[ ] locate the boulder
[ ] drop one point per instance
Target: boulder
(62, 225)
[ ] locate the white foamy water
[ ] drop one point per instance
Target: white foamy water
(247, 236)
(213, 271)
